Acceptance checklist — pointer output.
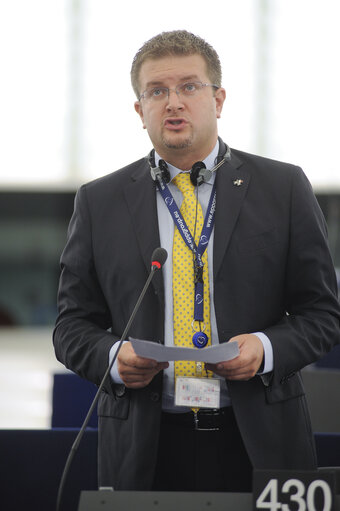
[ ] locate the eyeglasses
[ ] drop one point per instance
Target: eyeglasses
(184, 89)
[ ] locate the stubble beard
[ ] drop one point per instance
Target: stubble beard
(183, 144)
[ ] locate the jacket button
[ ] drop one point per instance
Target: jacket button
(154, 396)
(120, 390)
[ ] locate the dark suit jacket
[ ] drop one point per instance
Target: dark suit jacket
(272, 273)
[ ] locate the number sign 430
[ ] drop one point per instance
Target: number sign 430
(293, 491)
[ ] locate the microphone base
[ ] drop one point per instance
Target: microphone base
(104, 500)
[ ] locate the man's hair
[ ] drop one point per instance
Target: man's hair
(176, 43)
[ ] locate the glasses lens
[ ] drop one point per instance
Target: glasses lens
(190, 88)
(156, 93)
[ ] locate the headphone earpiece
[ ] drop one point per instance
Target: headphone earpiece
(164, 170)
(161, 171)
(223, 154)
(199, 173)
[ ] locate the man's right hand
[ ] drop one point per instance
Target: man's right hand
(137, 372)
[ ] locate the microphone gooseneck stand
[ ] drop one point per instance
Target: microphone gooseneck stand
(159, 257)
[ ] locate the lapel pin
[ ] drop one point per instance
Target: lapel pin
(238, 182)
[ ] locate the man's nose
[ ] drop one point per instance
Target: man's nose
(174, 100)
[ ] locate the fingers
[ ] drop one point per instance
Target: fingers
(238, 373)
(232, 374)
(139, 378)
(128, 357)
(246, 365)
(135, 371)
(136, 381)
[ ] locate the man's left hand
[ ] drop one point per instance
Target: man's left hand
(246, 364)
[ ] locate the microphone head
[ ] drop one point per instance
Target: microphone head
(158, 258)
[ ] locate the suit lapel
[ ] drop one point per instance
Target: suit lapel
(140, 196)
(232, 181)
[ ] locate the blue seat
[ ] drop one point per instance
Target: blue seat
(328, 449)
(71, 399)
(331, 360)
(32, 462)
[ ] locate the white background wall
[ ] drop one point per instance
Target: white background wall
(67, 106)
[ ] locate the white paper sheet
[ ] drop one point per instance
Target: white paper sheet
(212, 354)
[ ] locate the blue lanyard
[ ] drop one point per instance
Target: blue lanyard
(198, 251)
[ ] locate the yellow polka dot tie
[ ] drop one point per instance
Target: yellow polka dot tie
(183, 279)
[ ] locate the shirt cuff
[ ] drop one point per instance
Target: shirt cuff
(268, 358)
(115, 377)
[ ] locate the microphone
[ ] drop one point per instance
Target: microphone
(158, 258)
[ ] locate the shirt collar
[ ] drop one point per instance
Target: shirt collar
(209, 162)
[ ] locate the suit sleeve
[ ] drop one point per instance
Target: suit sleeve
(310, 327)
(81, 338)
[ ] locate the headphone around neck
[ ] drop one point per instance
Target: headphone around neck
(198, 174)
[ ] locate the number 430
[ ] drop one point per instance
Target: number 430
(268, 499)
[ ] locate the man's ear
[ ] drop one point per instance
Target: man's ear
(220, 96)
(139, 110)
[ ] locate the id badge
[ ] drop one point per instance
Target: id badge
(197, 392)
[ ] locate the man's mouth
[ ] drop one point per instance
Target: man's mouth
(175, 123)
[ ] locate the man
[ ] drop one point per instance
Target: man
(264, 274)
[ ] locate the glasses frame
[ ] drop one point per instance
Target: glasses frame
(178, 89)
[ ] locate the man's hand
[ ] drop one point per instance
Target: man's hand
(248, 362)
(137, 372)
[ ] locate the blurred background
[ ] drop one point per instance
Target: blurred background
(67, 116)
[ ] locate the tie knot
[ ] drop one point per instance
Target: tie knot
(183, 182)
